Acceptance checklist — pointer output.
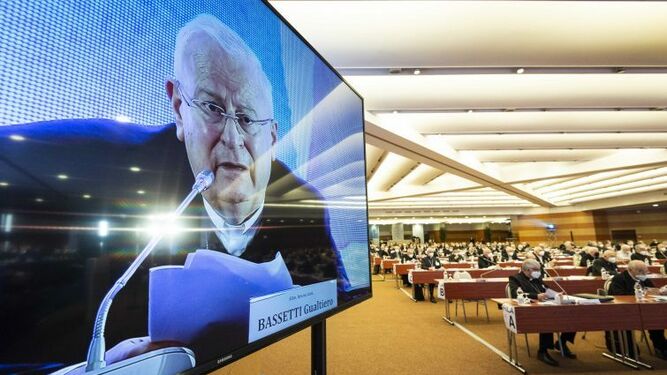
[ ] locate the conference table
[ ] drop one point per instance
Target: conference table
(387, 265)
(477, 289)
(624, 313)
(419, 276)
(401, 269)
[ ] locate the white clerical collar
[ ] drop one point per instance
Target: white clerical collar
(234, 237)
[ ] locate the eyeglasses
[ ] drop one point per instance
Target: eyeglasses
(216, 114)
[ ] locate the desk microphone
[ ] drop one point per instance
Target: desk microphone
(96, 350)
(487, 272)
(556, 281)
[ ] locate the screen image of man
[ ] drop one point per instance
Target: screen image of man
(223, 108)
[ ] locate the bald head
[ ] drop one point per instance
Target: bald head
(637, 267)
(609, 255)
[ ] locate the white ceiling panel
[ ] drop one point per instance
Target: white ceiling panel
(494, 91)
(482, 33)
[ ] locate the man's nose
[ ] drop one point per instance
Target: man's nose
(230, 134)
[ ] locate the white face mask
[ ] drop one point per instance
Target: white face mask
(535, 274)
(510, 253)
(541, 253)
(641, 277)
(612, 260)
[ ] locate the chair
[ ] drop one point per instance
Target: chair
(508, 293)
(607, 284)
(464, 275)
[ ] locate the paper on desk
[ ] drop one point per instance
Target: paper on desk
(212, 289)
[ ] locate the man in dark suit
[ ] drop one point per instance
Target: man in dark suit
(486, 260)
(431, 262)
(219, 126)
(641, 253)
(588, 255)
(529, 279)
(607, 262)
(624, 284)
(509, 254)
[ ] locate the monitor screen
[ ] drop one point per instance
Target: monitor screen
(108, 113)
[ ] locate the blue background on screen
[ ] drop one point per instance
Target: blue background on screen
(101, 59)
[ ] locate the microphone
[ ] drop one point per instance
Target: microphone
(556, 281)
(96, 350)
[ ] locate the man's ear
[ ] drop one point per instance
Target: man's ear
(176, 101)
(274, 139)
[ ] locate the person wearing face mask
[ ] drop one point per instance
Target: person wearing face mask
(641, 253)
(624, 284)
(509, 254)
(529, 279)
(607, 262)
(541, 256)
(431, 262)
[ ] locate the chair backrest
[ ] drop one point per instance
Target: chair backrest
(508, 292)
(607, 284)
(462, 275)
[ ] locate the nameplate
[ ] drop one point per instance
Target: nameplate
(509, 315)
(275, 312)
(441, 289)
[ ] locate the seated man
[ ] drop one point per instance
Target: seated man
(624, 253)
(588, 256)
(509, 254)
(486, 260)
(641, 253)
(607, 262)
(624, 284)
(529, 279)
(431, 262)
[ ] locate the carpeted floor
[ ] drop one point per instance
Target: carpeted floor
(391, 334)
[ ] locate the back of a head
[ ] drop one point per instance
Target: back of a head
(635, 266)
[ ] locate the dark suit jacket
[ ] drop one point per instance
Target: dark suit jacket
(624, 285)
(428, 262)
(96, 154)
(484, 262)
(642, 257)
(585, 257)
(601, 263)
(530, 287)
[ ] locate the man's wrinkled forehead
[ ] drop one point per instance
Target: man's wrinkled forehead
(213, 69)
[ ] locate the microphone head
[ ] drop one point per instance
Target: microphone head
(203, 181)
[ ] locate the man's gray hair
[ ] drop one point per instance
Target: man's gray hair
(236, 55)
(530, 264)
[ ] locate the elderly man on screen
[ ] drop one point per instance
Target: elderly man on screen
(529, 279)
(223, 109)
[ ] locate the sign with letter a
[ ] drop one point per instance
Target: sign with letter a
(510, 317)
(441, 289)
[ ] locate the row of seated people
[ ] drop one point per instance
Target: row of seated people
(530, 280)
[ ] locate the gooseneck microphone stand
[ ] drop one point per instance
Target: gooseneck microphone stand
(95, 359)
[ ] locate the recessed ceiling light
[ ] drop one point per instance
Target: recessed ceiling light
(470, 111)
(86, 196)
(39, 200)
(417, 72)
(4, 183)
(520, 71)
(135, 169)
(141, 192)
(62, 177)
(656, 205)
(17, 138)
(395, 112)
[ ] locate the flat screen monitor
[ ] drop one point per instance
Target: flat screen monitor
(108, 113)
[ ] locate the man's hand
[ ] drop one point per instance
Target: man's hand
(663, 290)
(542, 297)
